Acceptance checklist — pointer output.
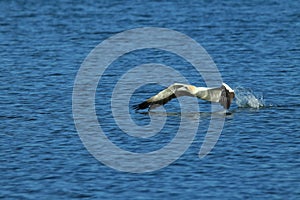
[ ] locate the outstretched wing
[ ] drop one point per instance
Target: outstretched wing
(173, 91)
(226, 96)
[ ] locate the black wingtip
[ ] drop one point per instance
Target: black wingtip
(141, 106)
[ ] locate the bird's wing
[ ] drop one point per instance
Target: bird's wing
(222, 95)
(173, 91)
(227, 96)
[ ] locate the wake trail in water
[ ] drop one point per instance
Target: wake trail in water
(246, 98)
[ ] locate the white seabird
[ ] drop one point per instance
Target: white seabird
(222, 95)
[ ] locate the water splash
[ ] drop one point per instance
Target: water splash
(246, 98)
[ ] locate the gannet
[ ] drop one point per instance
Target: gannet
(222, 95)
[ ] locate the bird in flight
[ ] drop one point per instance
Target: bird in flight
(222, 95)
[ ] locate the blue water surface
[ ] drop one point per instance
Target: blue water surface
(255, 45)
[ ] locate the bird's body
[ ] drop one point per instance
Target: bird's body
(222, 95)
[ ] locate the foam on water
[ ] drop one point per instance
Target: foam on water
(246, 98)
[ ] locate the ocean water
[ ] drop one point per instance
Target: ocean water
(256, 47)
